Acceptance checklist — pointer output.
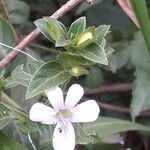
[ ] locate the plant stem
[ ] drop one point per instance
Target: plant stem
(109, 89)
(127, 7)
(59, 13)
(9, 101)
(47, 49)
(141, 13)
(0, 94)
(121, 109)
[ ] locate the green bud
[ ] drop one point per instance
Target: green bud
(78, 71)
(2, 83)
(85, 38)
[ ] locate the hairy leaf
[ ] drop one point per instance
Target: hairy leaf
(140, 93)
(48, 75)
(5, 116)
(94, 78)
(6, 35)
(105, 126)
(140, 58)
(101, 32)
(21, 76)
(62, 41)
(77, 27)
(50, 27)
(95, 53)
(6, 143)
(72, 60)
(18, 11)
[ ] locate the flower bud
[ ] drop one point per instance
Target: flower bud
(84, 38)
(78, 71)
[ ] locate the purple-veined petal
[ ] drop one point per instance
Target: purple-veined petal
(64, 136)
(42, 113)
(74, 95)
(86, 112)
(55, 96)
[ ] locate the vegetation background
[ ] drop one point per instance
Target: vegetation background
(122, 88)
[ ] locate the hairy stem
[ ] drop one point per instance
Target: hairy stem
(109, 89)
(59, 13)
(44, 48)
(121, 109)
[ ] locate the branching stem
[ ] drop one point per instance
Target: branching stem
(59, 13)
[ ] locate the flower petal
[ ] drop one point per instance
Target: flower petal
(55, 96)
(64, 136)
(74, 95)
(86, 112)
(42, 113)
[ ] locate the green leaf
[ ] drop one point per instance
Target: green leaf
(11, 105)
(6, 143)
(105, 126)
(109, 51)
(72, 60)
(94, 78)
(50, 27)
(31, 66)
(5, 116)
(119, 59)
(46, 134)
(54, 28)
(48, 75)
(135, 49)
(77, 27)
(4, 111)
(10, 83)
(21, 76)
(140, 93)
(27, 126)
(95, 53)
(139, 50)
(4, 121)
(6, 36)
(101, 32)
(103, 43)
(18, 11)
(62, 41)
(85, 139)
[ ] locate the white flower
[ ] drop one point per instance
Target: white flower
(63, 113)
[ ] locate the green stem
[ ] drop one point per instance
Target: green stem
(0, 94)
(141, 13)
(34, 45)
(8, 102)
